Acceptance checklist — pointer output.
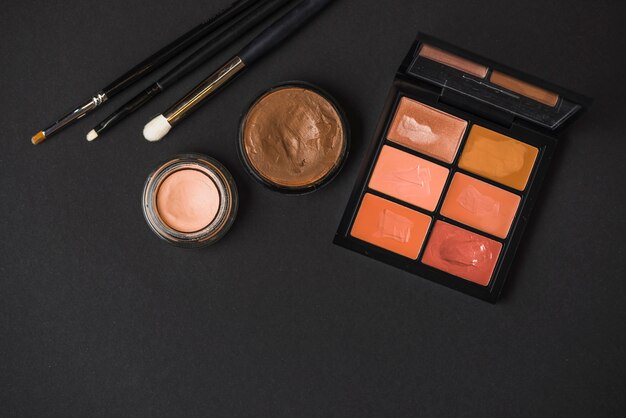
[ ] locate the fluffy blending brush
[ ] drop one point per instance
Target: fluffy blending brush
(269, 39)
(216, 43)
(146, 67)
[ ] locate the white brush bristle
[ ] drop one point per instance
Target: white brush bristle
(156, 129)
(92, 135)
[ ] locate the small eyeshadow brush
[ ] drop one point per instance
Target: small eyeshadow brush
(147, 66)
(213, 45)
(264, 43)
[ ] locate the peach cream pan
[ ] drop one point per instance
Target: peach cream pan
(190, 200)
(455, 167)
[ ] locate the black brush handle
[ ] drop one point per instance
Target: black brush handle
(280, 30)
(128, 108)
(176, 47)
(212, 46)
(222, 40)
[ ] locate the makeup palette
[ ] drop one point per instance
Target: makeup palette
(455, 167)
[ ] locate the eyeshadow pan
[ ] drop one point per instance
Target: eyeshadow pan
(454, 61)
(427, 130)
(190, 201)
(525, 89)
(498, 157)
(390, 226)
(480, 205)
(293, 137)
(409, 178)
(187, 200)
(462, 253)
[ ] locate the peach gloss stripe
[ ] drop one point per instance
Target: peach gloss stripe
(454, 61)
(390, 226)
(480, 205)
(187, 201)
(525, 89)
(498, 157)
(408, 178)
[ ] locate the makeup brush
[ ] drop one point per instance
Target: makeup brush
(158, 127)
(216, 42)
(146, 67)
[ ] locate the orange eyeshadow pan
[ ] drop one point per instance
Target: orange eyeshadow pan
(480, 205)
(427, 130)
(391, 226)
(409, 178)
(461, 253)
(498, 157)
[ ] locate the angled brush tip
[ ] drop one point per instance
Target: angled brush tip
(38, 137)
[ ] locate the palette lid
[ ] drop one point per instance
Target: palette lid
(494, 90)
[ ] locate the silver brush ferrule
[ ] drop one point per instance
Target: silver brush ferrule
(76, 114)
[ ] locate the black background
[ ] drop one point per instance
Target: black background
(98, 317)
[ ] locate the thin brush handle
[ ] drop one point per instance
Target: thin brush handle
(142, 69)
(280, 30)
(128, 108)
(209, 49)
(261, 45)
(175, 47)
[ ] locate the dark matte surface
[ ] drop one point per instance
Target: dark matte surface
(100, 318)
